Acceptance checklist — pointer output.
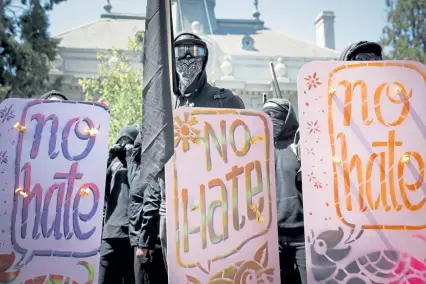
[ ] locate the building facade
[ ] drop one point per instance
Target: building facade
(240, 50)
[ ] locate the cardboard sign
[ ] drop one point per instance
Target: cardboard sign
(363, 161)
(221, 207)
(52, 181)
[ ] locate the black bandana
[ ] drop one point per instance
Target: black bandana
(188, 70)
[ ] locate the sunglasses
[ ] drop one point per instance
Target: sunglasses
(366, 57)
(194, 50)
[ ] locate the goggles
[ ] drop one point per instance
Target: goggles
(366, 57)
(194, 50)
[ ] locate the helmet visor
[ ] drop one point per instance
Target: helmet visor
(193, 50)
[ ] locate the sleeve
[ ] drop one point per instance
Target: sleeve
(135, 197)
(107, 190)
(150, 212)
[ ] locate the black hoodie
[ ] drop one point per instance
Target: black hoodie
(287, 166)
(117, 191)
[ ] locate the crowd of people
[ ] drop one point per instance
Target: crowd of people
(134, 241)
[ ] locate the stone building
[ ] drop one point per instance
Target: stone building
(240, 49)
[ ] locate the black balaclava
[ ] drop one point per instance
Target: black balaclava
(283, 118)
(190, 70)
(127, 135)
(54, 94)
(350, 52)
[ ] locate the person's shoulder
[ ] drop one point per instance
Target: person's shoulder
(231, 99)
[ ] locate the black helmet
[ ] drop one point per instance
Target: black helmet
(189, 38)
(360, 47)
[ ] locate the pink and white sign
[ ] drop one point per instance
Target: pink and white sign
(363, 134)
(221, 207)
(52, 181)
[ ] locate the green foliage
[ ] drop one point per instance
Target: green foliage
(119, 86)
(405, 32)
(26, 49)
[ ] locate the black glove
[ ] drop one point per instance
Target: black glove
(113, 151)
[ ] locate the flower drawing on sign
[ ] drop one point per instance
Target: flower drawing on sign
(7, 114)
(185, 132)
(6, 261)
(312, 81)
(313, 126)
(249, 271)
(3, 157)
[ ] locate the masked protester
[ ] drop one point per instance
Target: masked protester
(54, 96)
(362, 51)
(291, 236)
(117, 255)
(191, 56)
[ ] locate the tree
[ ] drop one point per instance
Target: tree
(405, 32)
(26, 49)
(119, 86)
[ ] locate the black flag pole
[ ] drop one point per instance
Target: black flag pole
(275, 85)
(156, 132)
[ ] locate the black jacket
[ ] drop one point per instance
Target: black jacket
(146, 215)
(287, 172)
(117, 190)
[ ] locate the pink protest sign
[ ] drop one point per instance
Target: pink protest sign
(363, 131)
(52, 180)
(221, 207)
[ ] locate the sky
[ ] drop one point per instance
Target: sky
(355, 19)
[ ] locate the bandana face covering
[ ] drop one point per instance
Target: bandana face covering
(278, 126)
(188, 70)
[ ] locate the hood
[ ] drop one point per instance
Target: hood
(198, 84)
(360, 47)
(52, 93)
(286, 111)
(130, 131)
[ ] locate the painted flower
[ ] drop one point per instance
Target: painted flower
(6, 261)
(7, 114)
(313, 127)
(3, 157)
(185, 132)
(312, 81)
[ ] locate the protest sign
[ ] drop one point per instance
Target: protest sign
(52, 180)
(362, 127)
(221, 204)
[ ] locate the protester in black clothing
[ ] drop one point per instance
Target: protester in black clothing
(54, 95)
(362, 51)
(117, 254)
(291, 236)
(191, 59)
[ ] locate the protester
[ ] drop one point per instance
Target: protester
(193, 91)
(117, 255)
(362, 51)
(54, 96)
(291, 236)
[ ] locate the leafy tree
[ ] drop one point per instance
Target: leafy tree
(26, 49)
(405, 32)
(119, 86)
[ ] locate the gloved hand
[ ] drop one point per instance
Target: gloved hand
(113, 152)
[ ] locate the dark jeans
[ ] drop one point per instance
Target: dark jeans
(116, 265)
(152, 271)
(292, 255)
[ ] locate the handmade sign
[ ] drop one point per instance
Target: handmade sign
(52, 180)
(221, 207)
(363, 132)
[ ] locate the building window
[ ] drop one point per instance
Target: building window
(248, 43)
